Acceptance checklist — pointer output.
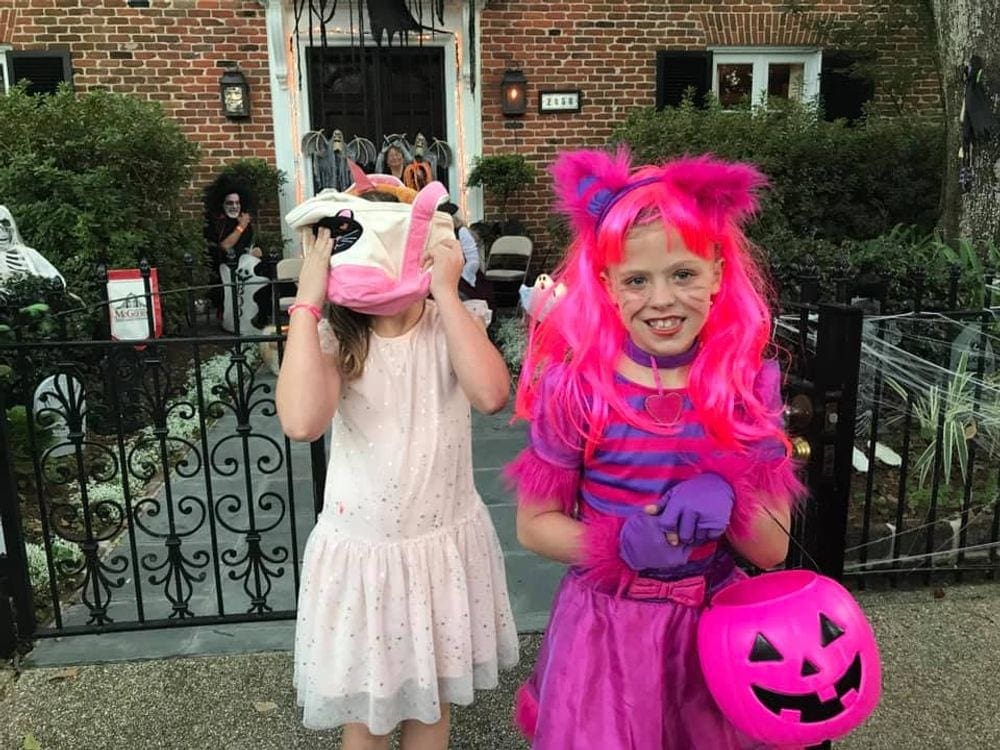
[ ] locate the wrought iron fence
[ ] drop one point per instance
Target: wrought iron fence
(157, 490)
(156, 487)
(920, 499)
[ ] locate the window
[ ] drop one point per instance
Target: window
(4, 78)
(843, 88)
(742, 76)
(677, 72)
(44, 70)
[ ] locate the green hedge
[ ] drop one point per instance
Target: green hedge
(829, 180)
(99, 178)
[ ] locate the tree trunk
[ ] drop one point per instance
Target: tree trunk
(966, 28)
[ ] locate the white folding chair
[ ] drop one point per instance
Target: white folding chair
(509, 258)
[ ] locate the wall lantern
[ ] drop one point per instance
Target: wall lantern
(514, 90)
(235, 93)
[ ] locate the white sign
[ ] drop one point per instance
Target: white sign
(559, 101)
(127, 304)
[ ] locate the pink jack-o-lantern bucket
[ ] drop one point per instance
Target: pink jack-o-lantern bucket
(790, 658)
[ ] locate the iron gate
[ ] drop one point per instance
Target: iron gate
(148, 484)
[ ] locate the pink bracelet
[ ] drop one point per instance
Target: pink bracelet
(312, 309)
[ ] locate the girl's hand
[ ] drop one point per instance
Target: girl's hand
(244, 220)
(315, 267)
(446, 262)
(642, 545)
(696, 510)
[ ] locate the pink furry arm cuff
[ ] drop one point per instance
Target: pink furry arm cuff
(757, 484)
(535, 480)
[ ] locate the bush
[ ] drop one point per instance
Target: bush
(511, 338)
(501, 176)
(99, 178)
(829, 180)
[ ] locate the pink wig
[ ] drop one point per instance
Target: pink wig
(707, 202)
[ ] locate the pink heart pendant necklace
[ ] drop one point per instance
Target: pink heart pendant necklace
(664, 408)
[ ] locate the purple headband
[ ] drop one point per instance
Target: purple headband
(602, 201)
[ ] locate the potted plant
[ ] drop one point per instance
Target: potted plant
(501, 176)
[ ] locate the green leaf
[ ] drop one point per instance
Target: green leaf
(30, 743)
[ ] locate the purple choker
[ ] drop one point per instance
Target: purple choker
(666, 361)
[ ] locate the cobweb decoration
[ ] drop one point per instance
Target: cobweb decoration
(387, 20)
(929, 400)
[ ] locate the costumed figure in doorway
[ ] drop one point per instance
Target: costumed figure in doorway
(395, 156)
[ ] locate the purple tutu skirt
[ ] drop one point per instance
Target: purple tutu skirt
(622, 673)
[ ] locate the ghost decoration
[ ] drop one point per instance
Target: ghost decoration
(16, 258)
(538, 299)
(238, 295)
(790, 658)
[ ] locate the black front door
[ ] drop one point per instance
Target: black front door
(376, 92)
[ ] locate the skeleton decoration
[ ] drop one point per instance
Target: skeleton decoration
(16, 258)
(420, 172)
(329, 158)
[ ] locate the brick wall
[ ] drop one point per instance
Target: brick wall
(168, 53)
(608, 50)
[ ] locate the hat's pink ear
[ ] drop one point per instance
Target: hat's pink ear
(585, 181)
(726, 191)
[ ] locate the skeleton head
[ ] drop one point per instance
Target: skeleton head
(16, 258)
(419, 145)
(337, 141)
(8, 230)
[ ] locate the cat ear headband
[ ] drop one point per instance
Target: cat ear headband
(589, 183)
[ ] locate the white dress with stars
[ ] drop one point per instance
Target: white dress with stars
(403, 604)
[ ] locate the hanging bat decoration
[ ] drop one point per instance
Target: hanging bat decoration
(316, 148)
(362, 151)
(442, 152)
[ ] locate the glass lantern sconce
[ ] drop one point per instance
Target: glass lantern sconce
(235, 93)
(514, 90)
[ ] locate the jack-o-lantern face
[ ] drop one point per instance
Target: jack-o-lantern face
(790, 658)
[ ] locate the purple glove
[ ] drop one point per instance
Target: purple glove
(643, 546)
(697, 509)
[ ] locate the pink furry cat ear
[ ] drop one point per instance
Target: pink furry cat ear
(586, 180)
(730, 190)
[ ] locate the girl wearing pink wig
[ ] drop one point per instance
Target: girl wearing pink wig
(656, 451)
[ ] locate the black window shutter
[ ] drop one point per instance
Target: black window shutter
(44, 70)
(676, 72)
(842, 89)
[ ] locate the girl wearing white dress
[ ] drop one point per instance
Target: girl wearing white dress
(403, 606)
